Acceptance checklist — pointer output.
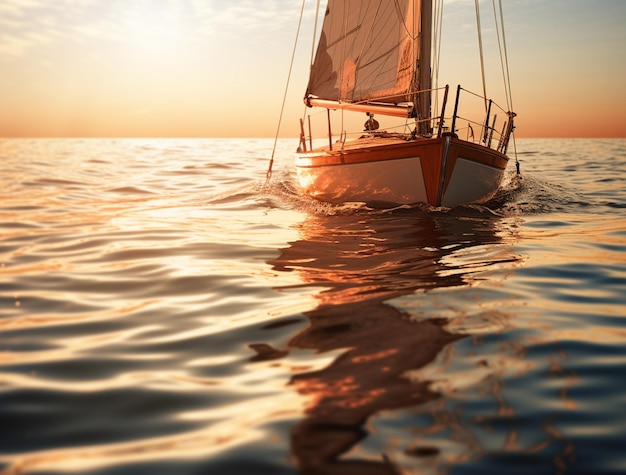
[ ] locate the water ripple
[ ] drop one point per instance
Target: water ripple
(164, 309)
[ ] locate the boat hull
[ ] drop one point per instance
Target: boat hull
(444, 171)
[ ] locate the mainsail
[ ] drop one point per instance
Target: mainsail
(369, 52)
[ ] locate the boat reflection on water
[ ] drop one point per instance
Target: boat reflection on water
(358, 263)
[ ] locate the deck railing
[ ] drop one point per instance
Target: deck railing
(483, 122)
(494, 127)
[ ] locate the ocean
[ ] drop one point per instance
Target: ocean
(165, 310)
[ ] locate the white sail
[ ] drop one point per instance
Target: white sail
(368, 51)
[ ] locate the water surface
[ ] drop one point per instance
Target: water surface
(164, 310)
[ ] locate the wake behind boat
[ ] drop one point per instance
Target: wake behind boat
(377, 57)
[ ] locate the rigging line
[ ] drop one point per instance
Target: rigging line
(317, 19)
(499, 29)
(506, 59)
(416, 58)
(480, 46)
(433, 57)
(344, 31)
(313, 43)
(282, 108)
(438, 34)
(507, 78)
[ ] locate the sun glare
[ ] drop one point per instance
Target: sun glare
(153, 33)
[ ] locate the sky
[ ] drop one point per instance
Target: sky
(218, 68)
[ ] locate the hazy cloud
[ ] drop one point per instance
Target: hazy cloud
(26, 25)
(29, 24)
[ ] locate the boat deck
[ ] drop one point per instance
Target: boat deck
(368, 141)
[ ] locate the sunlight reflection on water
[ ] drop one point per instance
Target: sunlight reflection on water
(164, 310)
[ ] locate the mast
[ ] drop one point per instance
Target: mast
(424, 70)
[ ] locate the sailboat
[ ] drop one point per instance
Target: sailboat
(375, 57)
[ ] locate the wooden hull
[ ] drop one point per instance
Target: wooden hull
(390, 171)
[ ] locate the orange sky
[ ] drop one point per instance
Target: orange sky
(202, 68)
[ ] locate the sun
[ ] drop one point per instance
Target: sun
(154, 32)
